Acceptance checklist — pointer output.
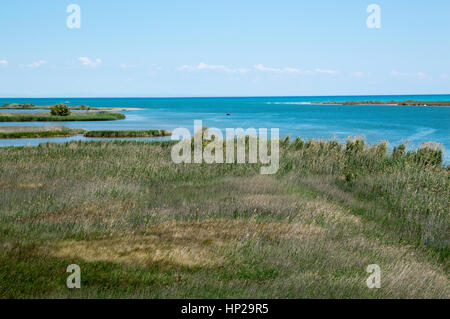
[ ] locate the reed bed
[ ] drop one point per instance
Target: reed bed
(142, 226)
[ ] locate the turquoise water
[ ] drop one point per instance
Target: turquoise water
(395, 124)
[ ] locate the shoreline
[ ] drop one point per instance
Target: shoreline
(120, 108)
(389, 103)
(21, 132)
(75, 108)
(74, 117)
(137, 135)
(18, 106)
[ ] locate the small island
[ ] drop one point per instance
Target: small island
(47, 117)
(9, 132)
(128, 133)
(399, 103)
(59, 113)
(31, 106)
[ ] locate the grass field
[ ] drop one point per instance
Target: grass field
(47, 117)
(141, 226)
(7, 132)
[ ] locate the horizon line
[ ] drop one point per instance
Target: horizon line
(213, 96)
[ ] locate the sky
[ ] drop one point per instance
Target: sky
(168, 48)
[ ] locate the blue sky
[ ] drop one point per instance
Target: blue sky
(223, 48)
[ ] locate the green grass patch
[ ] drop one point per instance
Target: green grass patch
(37, 131)
(47, 117)
(128, 133)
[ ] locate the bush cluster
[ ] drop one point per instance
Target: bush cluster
(60, 110)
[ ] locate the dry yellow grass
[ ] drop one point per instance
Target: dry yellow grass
(196, 243)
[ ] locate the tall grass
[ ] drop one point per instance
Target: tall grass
(142, 226)
(405, 191)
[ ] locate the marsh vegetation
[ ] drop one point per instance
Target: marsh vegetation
(49, 117)
(37, 131)
(139, 225)
(128, 133)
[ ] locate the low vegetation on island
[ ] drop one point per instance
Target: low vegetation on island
(128, 133)
(82, 107)
(139, 225)
(401, 103)
(49, 117)
(31, 106)
(18, 106)
(9, 132)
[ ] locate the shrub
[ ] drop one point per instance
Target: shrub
(334, 145)
(355, 146)
(285, 142)
(298, 144)
(398, 151)
(60, 110)
(381, 149)
(350, 176)
(428, 156)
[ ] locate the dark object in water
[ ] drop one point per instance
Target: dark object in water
(228, 114)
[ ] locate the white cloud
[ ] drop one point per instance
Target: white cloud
(126, 66)
(419, 75)
(292, 70)
(203, 66)
(34, 65)
(3, 63)
(322, 71)
(263, 68)
(358, 74)
(258, 67)
(85, 61)
(157, 67)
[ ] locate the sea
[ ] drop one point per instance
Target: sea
(293, 116)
